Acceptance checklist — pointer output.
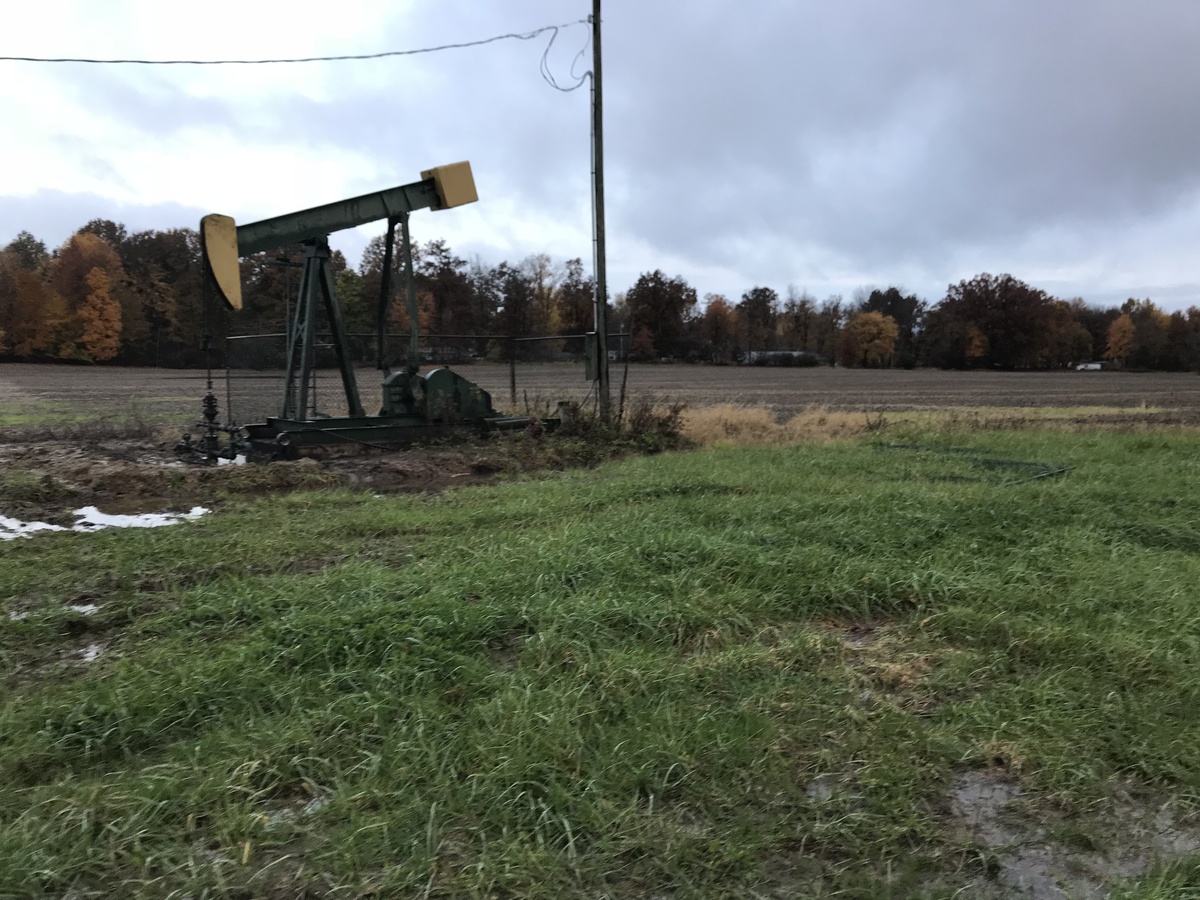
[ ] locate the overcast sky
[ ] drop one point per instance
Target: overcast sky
(832, 146)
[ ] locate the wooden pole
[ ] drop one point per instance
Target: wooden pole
(601, 300)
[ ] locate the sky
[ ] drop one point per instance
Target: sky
(823, 147)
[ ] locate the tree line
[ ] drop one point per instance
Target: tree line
(108, 296)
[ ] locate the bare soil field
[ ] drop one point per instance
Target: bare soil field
(75, 436)
(33, 394)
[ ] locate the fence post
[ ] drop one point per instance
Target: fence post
(512, 371)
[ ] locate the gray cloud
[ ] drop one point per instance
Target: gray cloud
(53, 216)
(882, 129)
(821, 144)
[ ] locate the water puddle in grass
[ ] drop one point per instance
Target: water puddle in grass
(295, 811)
(91, 652)
(14, 528)
(821, 788)
(1042, 859)
(89, 519)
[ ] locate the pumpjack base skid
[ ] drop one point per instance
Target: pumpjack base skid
(280, 438)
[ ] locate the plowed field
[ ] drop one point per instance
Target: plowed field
(31, 394)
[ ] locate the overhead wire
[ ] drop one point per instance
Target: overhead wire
(548, 76)
(520, 36)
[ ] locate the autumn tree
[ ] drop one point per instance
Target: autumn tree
(164, 306)
(40, 318)
(444, 274)
(1192, 315)
(663, 306)
(515, 315)
(112, 233)
(978, 346)
(757, 311)
(1014, 318)
(486, 299)
(1095, 321)
(641, 347)
(1150, 339)
(575, 300)
(870, 339)
(1066, 340)
(10, 264)
(719, 328)
(797, 319)
(907, 311)
(69, 273)
(30, 252)
(100, 317)
(1180, 353)
(1120, 340)
(270, 284)
(543, 277)
(831, 317)
(370, 269)
(75, 261)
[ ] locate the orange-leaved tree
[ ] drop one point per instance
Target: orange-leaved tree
(100, 316)
(40, 317)
(719, 328)
(76, 260)
(1121, 340)
(870, 339)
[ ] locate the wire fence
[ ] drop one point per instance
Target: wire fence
(523, 375)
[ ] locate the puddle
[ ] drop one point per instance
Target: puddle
(978, 800)
(820, 788)
(89, 519)
(993, 813)
(290, 814)
(91, 652)
(14, 528)
(316, 804)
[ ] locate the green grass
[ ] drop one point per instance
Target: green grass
(129, 418)
(41, 412)
(690, 675)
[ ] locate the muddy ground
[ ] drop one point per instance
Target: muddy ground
(47, 480)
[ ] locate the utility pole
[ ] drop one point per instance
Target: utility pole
(601, 300)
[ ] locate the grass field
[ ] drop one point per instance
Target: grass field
(915, 663)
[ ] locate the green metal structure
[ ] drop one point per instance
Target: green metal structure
(415, 405)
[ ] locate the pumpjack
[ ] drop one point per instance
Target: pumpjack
(415, 405)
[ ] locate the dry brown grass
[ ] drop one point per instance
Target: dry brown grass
(755, 426)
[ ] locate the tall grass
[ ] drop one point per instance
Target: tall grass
(695, 675)
(753, 426)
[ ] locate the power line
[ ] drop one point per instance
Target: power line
(548, 76)
(520, 36)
